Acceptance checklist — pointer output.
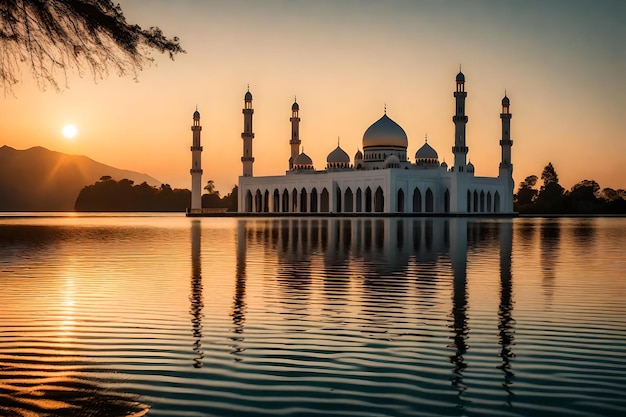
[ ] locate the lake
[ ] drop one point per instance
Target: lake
(163, 315)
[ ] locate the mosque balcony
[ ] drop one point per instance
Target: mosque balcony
(247, 159)
(460, 149)
(195, 171)
(506, 142)
(196, 148)
(456, 119)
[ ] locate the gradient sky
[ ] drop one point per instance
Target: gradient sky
(562, 63)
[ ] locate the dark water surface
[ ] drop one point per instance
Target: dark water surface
(170, 316)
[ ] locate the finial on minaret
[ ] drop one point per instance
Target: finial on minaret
(385, 108)
(248, 87)
(337, 141)
(426, 138)
(295, 99)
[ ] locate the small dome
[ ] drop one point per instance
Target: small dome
(444, 165)
(470, 167)
(505, 101)
(295, 106)
(338, 156)
(385, 133)
(426, 152)
(460, 77)
(392, 161)
(358, 155)
(196, 114)
(303, 159)
(248, 95)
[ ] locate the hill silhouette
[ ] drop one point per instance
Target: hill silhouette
(38, 179)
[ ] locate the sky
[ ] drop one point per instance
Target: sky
(561, 62)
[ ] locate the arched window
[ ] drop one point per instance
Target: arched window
(496, 202)
(475, 201)
(417, 200)
(294, 200)
(285, 207)
(368, 200)
(489, 208)
(266, 201)
(400, 202)
(313, 201)
(379, 201)
(446, 201)
(248, 208)
(303, 201)
(338, 200)
(430, 203)
(469, 201)
(482, 201)
(359, 200)
(325, 201)
(276, 201)
(258, 201)
(348, 201)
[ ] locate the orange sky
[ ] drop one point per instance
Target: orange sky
(561, 62)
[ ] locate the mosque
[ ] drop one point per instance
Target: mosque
(380, 179)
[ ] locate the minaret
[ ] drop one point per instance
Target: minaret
(295, 133)
(460, 120)
(506, 141)
(196, 164)
(247, 159)
(506, 167)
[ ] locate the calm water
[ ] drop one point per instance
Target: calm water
(170, 316)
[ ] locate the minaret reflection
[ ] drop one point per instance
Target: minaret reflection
(238, 313)
(196, 293)
(550, 242)
(458, 257)
(506, 323)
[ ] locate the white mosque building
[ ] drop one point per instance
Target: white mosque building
(380, 179)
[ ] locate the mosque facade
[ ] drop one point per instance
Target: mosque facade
(380, 178)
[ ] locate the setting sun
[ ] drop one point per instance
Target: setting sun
(70, 131)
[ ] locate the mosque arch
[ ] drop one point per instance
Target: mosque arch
(469, 201)
(248, 202)
(430, 201)
(294, 200)
(303, 200)
(400, 201)
(417, 200)
(379, 200)
(489, 209)
(285, 206)
(496, 202)
(482, 201)
(324, 201)
(338, 200)
(276, 201)
(368, 200)
(258, 201)
(266, 201)
(446, 201)
(359, 200)
(475, 201)
(313, 200)
(348, 201)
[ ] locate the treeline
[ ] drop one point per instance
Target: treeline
(586, 197)
(108, 194)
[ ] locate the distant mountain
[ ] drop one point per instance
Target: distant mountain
(38, 179)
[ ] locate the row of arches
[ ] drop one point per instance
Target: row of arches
(483, 203)
(312, 201)
(364, 201)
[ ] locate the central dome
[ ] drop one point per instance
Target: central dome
(385, 132)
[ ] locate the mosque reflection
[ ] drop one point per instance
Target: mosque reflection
(388, 256)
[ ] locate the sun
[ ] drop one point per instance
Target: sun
(69, 131)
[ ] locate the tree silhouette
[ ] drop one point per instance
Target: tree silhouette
(52, 36)
(526, 193)
(550, 197)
